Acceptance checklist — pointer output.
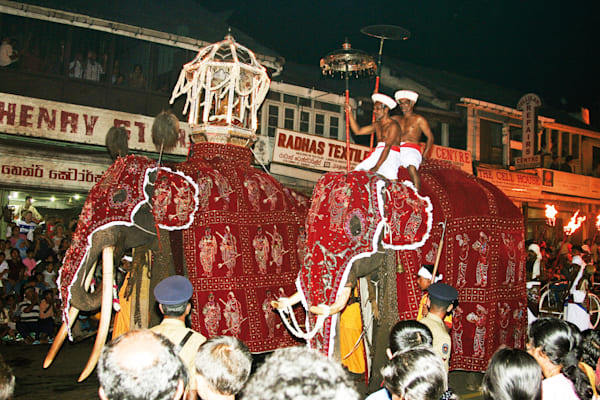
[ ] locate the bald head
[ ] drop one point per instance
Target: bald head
(141, 365)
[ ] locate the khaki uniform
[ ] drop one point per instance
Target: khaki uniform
(441, 339)
(175, 330)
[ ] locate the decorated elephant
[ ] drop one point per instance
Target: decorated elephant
(232, 229)
(482, 255)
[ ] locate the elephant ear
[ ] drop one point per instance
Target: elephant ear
(175, 199)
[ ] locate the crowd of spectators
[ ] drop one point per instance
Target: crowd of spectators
(30, 260)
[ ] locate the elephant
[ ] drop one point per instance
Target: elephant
(472, 227)
(232, 229)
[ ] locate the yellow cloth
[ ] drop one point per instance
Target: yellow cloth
(350, 330)
(591, 374)
(123, 316)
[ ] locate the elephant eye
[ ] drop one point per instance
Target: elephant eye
(119, 196)
(355, 225)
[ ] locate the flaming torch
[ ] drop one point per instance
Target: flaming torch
(597, 228)
(574, 224)
(551, 213)
(569, 229)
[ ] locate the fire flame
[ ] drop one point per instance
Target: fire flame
(551, 213)
(598, 222)
(574, 224)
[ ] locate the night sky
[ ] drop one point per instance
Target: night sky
(546, 47)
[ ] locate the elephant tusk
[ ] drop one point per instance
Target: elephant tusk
(105, 312)
(90, 276)
(60, 337)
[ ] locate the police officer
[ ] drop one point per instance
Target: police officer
(173, 295)
(440, 302)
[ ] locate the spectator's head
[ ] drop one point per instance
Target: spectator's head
(29, 292)
(408, 334)
(299, 373)
(14, 254)
(590, 347)
(173, 295)
(91, 55)
(223, 365)
(141, 365)
(416, 374)
(29, 253)
(15, 232)
(2, 256)
(137, 68)
(28, 215)
(7, 380)
(425, 276)
(555, 345)
(441, 298)
(59, 230)
(28, 201)
(512, 374)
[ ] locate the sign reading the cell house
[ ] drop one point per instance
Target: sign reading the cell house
(315, 152)
(69, 122)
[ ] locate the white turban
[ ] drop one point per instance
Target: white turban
(406, 94)
(385, 100)
(538, 257)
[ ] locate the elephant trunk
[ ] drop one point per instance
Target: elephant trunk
(105, 311)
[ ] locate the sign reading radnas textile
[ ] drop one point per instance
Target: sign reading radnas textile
(315, 152)
(318, 153)
(62, 121)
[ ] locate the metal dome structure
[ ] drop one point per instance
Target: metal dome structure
(225, 85)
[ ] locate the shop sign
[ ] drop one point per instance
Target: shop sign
(513, 184)
(49, 173)
(534, 161)
(80, 124)
(315, 152)
(528, 103)
(460, 158)
(570, 184)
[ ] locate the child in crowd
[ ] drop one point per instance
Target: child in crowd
(47, 314)
(29, 262)
(50, 275)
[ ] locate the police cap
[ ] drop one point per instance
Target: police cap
(443, 292)
(173, 290)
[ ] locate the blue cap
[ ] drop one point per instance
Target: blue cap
(442, 291)
(173, 290)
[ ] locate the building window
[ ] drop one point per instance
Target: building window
(276, 96)
(334, 123)
(575, 146)
(288, 98)
(327, 106)
(554, 144)
(288, 122)
(565, 145)
(490, 149)
(273, 119)
(319, 124)
(304, 121)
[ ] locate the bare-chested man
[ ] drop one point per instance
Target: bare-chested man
(385, 159)
(411, 126)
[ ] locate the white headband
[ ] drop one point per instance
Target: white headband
(384, 99)
(424, 272)
(406, 94)
(127, 258)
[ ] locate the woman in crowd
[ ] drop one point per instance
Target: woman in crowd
(590, 354)
(555, 346)
(417, 374)
(512, 375)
